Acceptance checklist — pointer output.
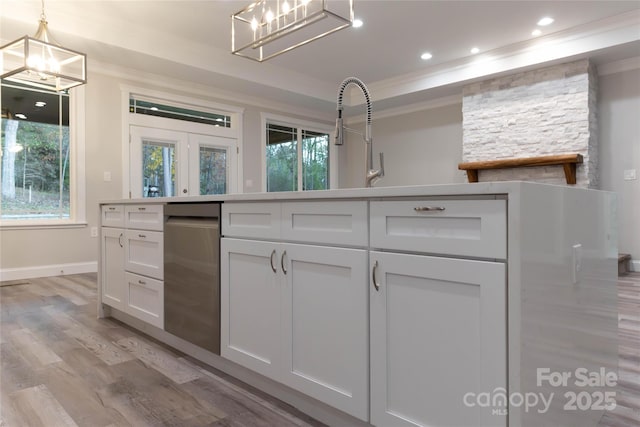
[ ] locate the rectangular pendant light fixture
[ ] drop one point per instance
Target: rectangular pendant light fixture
(268, 28)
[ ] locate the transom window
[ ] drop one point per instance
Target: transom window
(157, 108)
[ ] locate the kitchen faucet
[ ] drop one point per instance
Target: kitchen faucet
(371, 173)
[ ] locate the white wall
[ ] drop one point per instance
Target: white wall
(619, 112)
(422, 147)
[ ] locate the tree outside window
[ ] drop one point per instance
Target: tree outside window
(35, 154)
(297, 159)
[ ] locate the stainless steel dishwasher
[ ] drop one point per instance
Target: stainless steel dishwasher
(192, 273)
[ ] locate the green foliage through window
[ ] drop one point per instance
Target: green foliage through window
(290, 147)
(35, 157)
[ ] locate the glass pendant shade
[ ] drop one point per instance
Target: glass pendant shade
(39, 61)
(267, 28)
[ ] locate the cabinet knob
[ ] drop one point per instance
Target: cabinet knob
(184, 190)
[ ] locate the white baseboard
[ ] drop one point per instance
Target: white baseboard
(634, 265)
(47, 270)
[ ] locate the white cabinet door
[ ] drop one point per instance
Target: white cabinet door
(144, 253)
(438, 332)
(113, 283)
(325, 325)
(250, 304)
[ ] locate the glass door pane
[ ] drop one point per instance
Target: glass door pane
(315, 160)
(282, 158)
(213, 170)
(158, 169)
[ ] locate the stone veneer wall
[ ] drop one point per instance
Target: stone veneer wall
(534, 113)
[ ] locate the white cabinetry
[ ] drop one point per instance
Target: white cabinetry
(112, 256)
(438, 331)
(132, 260)
(437, 324)
(297, 313)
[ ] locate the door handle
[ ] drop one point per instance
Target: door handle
(373, 276)
(273, 267)
(284, 269)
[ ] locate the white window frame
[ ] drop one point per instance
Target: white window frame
(129, 119)
(280, 120)
(77, 176)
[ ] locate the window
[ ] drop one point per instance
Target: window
(40, 177)
(297, 155)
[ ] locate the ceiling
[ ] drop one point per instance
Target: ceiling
(190, 40)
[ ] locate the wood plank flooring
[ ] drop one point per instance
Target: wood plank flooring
(60, 366)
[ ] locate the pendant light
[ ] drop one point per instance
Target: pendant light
(41, 62)
(267, 28)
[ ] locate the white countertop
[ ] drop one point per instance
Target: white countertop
(439, 190)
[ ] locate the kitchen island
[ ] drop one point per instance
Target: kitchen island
(427, 305)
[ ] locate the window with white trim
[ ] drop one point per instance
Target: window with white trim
(42, 181)
(297, 155)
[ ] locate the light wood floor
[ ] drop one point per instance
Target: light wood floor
(60, 366)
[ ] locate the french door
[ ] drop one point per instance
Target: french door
(168, 163)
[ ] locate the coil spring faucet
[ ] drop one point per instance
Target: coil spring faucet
(371, 173)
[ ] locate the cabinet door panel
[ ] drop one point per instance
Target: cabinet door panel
(147, 217)
(144, 253)
(112, 216)
(325, 325)
(438, 331)
(145, 299)
(250, 304)
(113, 283)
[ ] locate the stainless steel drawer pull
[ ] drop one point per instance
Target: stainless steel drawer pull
(273, 267)
(428, 208)
(142, 209)
(373, 276)
(284, 269)
(142, 282)
(112, 209)
(142, 236)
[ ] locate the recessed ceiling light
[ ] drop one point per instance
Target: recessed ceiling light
(543, 22)
(21, 116)
(357, 23)
(40, 103)
(426, 56)
(536, 32)
(474, 50)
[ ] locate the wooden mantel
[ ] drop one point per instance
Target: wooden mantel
(568, 162)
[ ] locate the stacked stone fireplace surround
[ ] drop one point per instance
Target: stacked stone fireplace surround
(534, 113)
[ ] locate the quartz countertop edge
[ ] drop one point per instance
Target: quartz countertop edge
(443, 190)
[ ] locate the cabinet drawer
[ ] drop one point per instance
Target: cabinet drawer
(476, 228)
(145, 299)
(144, 217)
(252, 220)
(336, 222)
(144, 253)
(112, 215)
